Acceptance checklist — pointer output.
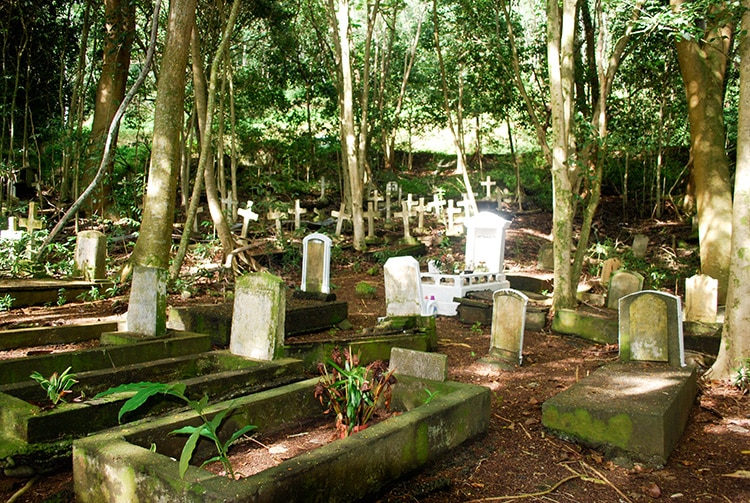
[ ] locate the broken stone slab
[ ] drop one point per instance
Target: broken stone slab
(633, 410)
(60, 334)
(419, 364)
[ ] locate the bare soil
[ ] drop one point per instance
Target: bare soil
(516, 459)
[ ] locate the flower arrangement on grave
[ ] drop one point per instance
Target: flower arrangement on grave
(448, 264)
(352, 391)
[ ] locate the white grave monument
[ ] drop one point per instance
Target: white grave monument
(485, 252)
(403, 289)
(12, 233)
(701, 298)
(316, 263)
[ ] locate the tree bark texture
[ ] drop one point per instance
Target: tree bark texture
(155, 238)
(703, 66)
(735, 338)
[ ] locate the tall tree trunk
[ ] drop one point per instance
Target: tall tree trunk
(703, 66)
(735, 337)
(155, 238)
(119, 19)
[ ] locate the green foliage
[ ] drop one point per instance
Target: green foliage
(365, 290)
(91, 295)
(742, 377)
(16, 257)
(61, 297)
(352, 391)
(208, 429)
(382, 256)
(430, 395)
(57, 386)
(477, 328)
(6, 302)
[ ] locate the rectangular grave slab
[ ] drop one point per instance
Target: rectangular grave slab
(37, 292)
(60, 334)
(636, 410)
(119, 464)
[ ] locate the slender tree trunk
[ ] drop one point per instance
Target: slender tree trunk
(735, 338)
(155, 238)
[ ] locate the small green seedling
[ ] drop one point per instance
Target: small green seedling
(365, 290)
(477, 327)
(209, 428)
(57, 386)
(742, 377)
(430, 395)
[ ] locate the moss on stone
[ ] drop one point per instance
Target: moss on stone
(616, 430)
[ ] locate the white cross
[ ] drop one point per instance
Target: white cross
(370, 215)
(487, 184)
(421, 208)
(229, 203)
(451, 210)
(465, 203)
(340, 215)
(376, 200)
(437, 205)
(297, 212)
(404, 215)
(276, 216)
(247, 214)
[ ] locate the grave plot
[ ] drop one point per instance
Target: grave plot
(120, 463)
(636, 408)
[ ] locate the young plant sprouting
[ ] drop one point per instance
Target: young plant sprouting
(742, 377)
(352, 391)
(57, 386)
(208, 429)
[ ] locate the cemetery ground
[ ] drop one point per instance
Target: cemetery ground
(516, 459)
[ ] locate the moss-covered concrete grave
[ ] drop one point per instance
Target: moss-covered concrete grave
(120, 465)
(637, 408)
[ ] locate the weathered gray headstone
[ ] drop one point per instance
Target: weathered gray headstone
(650, 326)
(701, 298)
(316, 263)
(403, 288)
(258, 316)
(91, 255)
(432, 366)
(147, 309)
(546, 258)
(508, 324)
(640, 244)
(622, 283)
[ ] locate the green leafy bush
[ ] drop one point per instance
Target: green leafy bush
(742, 377)
(57, 386)
(351, 391)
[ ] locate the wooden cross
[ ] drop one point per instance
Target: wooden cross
(275, 216)
(340, 215)
(371, 214)
(297, 212)
(404, 215)
(247, 214)
(30, 222)
(487, 184)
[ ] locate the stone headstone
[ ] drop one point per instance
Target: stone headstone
(546, 257)
(650, 328)
(316, 263)
(640, 244)
(419, 364)
(485, 242)
(147, 308)
(622, 283)
(258, 316)
(403, 288)
(608, 267)
(701, 298)
(508, 324)
(91, 255)
(31, 222)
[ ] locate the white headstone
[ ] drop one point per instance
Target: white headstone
(650, 328)
(147, 308)
(701, 298)
(485, 242)
(91, 255)
(403, 288)
(258, 317)
(12, 233)
(622, 283)
(316, 263)
(508, 324)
